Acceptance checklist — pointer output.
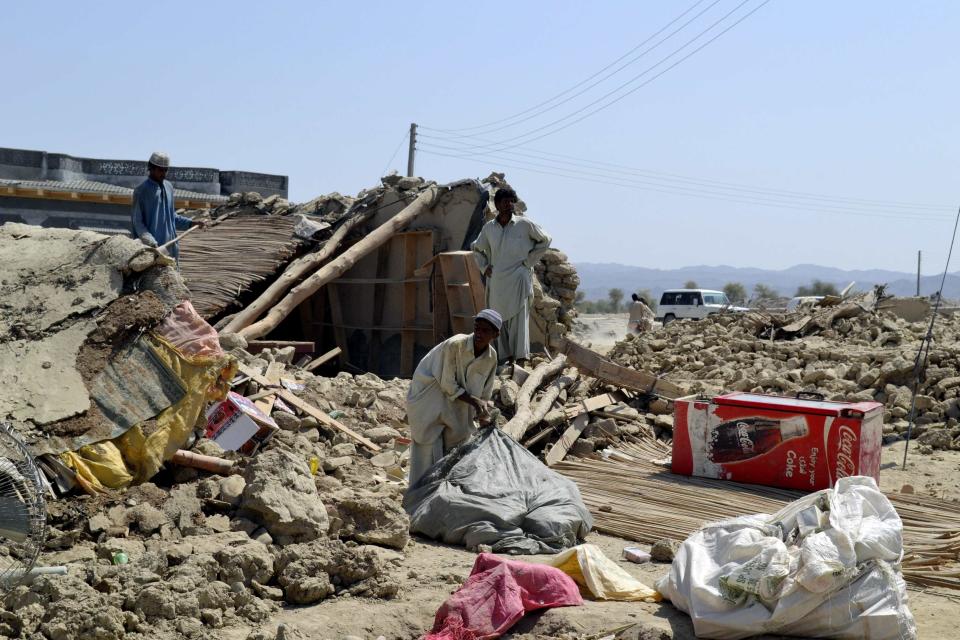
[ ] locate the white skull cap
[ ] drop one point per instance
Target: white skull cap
(159, 159)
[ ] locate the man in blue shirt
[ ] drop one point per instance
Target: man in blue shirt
(154, 219)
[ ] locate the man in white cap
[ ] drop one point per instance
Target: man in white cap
(451, 386)
(506, 250)
(154, 219)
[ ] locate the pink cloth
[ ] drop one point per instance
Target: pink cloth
(497, 594)
(189, 333)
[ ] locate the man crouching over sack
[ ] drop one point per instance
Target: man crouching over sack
(450, 388)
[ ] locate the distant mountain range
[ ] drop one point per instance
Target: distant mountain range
(596, 279)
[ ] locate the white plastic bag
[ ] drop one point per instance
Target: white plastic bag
(825, 566)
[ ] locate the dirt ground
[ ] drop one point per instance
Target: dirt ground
(431, 571)
(601, 330)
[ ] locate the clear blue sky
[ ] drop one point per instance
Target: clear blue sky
(854, 100)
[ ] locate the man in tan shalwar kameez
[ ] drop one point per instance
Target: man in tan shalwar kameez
(451, 386)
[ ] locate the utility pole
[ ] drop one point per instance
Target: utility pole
(413, 148)
(918, 274)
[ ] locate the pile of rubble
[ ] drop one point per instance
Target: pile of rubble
(554, 294)
(311, 516)
(849, 353)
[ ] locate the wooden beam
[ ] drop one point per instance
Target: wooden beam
(343, 263)
(336, 319)
(299, 346)
(329, 355)
(559, 450)
(272, 378)
(537, 438)
(309, 409)
(590, 404)
(595, 365)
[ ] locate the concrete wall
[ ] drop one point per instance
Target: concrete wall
(65, 214)
(23, 164)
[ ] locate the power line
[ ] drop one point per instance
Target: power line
(684, 183)
(624, 85)
(582, 82)
(395, 152)
(641, 186)
(923, 353)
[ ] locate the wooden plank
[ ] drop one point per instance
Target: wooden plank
(272, 378)
(309, 409)
(559, 451)
(475, 278)
(409, 304)
(442, 327)
(299, 346)
(537, 438)
(593, 364)
(382, 281)
(388, 329)
(336, 318)
(379, 296)
(329, 355)
(590, 404)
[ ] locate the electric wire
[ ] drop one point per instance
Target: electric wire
(626, 84)
(923, 353)
(687, 180)
(581, 83)
(406, 135)
(700, 193)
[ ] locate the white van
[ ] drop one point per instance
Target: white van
(692, 303)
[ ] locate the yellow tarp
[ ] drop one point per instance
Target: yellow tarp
(136, 456)
(593, 571)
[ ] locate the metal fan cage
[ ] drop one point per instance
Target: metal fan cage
(23, 513)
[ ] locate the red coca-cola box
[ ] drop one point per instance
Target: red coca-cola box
(793, 443)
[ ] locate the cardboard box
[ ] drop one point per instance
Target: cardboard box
(792, 443)
(236, 424)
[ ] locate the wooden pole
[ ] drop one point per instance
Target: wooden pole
(522, 419)
(336, 268)
(294, 272)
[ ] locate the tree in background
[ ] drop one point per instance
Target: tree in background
(690, 284)
(818, 288)
(762, 292)
(736, 292)
(616, 297)
(580, 298)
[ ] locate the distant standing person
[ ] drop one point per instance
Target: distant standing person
(507, 249)
(154, 219)
(450, 387)
(641, 317)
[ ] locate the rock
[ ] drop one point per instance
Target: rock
(286, 421)
(384, 460)
(218, 523)
(508, 393)
(281, 495)
(308, 572)
(374, 519)
(332, 464)
(345, 449)
(664, 422)
(231, 341)
(244, 563)
(582, 447)
(231, 489)
(381, 435)
(284, 355)
(936, 439)
(664, 550)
